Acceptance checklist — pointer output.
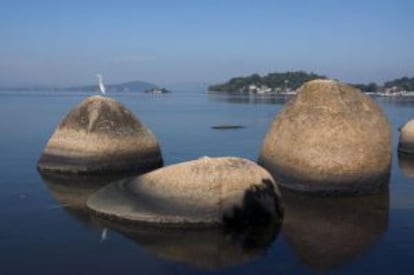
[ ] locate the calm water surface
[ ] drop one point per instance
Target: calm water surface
(45, 230)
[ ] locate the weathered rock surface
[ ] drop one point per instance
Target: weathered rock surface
(330, 138)
(100, 136)
(207, 191)
(406, 142)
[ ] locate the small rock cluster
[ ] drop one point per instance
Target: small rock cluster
(329, 139)
(100, 136)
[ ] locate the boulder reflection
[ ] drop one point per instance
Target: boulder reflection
(72, 192)
(406, 164)
(327, 232)
(205, 248)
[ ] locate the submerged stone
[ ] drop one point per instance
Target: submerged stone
(406, 142)
(100, 136)
(207, 191)
(227, 127)
(330, 138)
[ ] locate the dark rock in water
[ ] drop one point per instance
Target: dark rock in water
(406, 142)
(227, 127)
(100, 136)
(203, 192)
(328, 232)
(330, 138)
(205, 248)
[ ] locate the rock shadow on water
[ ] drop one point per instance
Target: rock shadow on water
(206, 248)
(327, 233)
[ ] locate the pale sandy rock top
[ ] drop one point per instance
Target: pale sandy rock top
(100, 134)
(100, 125)
(103, 115)
(406, 142)
(408, 128)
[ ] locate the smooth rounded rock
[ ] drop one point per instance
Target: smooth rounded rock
(406, 142)
(100, 136)
(207, 191)
(330, 138)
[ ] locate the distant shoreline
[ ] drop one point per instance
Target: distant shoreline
(289, 82)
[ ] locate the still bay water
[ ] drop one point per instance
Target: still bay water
(44, 229)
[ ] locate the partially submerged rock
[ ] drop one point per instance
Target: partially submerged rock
(406, 142)
(207, 191)
(100, 136)
(330, 138)
(227, 127)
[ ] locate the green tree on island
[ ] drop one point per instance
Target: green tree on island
(291, 80)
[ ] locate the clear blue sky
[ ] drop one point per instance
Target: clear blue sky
(64, 42)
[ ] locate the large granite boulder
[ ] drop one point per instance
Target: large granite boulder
(406, 142)
(330, 138)
(207, 191)
(100, 136)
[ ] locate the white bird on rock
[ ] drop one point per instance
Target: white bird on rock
(101, 86)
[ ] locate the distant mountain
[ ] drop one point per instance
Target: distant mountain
(131, 86)
(279, 82)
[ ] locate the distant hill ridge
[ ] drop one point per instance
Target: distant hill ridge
(130, 86)
(293, 80)
(287, 81)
